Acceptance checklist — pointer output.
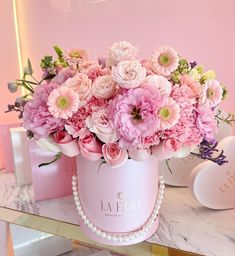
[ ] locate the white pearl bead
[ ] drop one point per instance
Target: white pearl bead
(102, 234)
(98, 232)
(108, 237)
(94, 229)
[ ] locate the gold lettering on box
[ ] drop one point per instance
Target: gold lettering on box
(229, 183)
(120, 206)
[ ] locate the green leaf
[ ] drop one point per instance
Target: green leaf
(26, 81)
(58, 51)
(30, 70)
(58, 156)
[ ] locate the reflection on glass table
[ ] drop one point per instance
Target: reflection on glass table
(184, 224)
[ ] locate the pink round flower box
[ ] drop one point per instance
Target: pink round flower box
(118, 200)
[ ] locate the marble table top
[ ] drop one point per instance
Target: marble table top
(184, 223)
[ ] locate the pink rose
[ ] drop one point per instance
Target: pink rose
(139, 154)
(81, 84)
(129, 74)
(114, 155)
(104, 87)
(171, 144)
(90, 147)
(193, 85)
(166, 149)
(120, 51)
(62, 137)
(99, 124)
(67, 145)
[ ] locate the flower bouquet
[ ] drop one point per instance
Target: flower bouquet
(120, 116)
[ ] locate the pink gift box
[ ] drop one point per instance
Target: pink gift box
(53, 180)
(6, 153)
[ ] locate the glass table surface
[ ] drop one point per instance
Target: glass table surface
(184, 224)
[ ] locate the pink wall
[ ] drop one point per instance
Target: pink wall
(201, 30)
(9, 69)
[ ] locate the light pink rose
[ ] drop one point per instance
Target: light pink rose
(129, 74)
(99, 124)
(139, 154)
(114, 155)
(166, 149)
(104, 87)
(81, 84)
(90, 147)
(193, 85)
(120, 51)
(160, 82)
(67, 145)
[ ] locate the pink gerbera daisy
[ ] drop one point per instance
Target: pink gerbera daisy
(168, 114)
(63, 102)
(164, 60)
(212, 92)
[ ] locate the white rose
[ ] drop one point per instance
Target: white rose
(139, 154)
(99, 124)
(121, 51)
(129, 74)
(104, 87)
(160, 82)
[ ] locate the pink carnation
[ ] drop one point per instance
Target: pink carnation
(206, 122)
(76, 124)
(133, 113)
(39, 120)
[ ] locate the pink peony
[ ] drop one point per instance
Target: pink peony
(212, 92)
(206, 122)
(120, 51)
(90, 147)
(128, 74)
(63, 102)
(104, 87)
(164, 60)
(133, 113)
(193, 85)
(160, 82)
(81, 85)
(41, 93)
(99, 124)
(114, 155)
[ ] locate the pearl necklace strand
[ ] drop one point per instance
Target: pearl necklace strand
(118, 237)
